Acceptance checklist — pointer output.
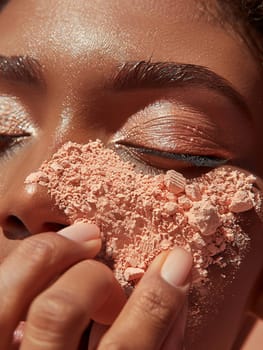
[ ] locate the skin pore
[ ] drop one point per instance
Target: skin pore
(77, 83)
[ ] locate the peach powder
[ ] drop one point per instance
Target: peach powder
(141, 215)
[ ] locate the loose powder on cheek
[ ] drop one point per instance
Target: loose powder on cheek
(141, 215)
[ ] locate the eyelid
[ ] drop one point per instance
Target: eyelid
(167, 134)
(183, 116)
(14, 119)
(16, 126)
(172, 134)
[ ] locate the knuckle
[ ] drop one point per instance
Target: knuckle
(37, 249)
(157, 305)
(56, 311)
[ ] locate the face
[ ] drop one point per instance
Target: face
(165, 77)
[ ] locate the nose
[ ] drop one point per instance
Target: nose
(29, 211)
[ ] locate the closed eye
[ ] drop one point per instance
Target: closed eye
(156, 157)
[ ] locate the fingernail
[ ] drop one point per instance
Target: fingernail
(19, 334)
(177, 266)
(81, 232)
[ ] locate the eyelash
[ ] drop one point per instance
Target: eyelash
(197, 160)
(194, 160)
(8, 143)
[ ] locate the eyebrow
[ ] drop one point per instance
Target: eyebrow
(151, 75)
(133, 75)
(23, 69)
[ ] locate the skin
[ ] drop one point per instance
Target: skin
(81, 46)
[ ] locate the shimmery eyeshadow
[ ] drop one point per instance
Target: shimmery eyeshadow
(13, 117)
(141, 215)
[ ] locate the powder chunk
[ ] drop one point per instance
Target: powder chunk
(133, 273)
(193, 192)
(241, 201)
(140, 215)
(174, 181)
(36, 177)
(203, 215)
(170, 208)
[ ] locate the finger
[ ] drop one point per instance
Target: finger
(17, 336)
(175, 337)
(150, 312)
(33, 265)
(97, 332)
(58, 317)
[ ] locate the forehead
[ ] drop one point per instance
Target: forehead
(98, 34)
(117, 28)
(122, 25)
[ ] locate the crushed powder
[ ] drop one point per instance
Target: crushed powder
(141, 215)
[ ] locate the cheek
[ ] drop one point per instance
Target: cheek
(12, 176)
(6, 174)
(230, 292)
(18, 162)
(219, 307)
(141, 215)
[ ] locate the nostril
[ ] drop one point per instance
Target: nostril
(52, 226)
(14, 228)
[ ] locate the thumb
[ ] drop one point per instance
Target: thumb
(154, 306)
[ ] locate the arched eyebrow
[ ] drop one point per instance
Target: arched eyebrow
(22, 69)
(134, 75)
(150, 75)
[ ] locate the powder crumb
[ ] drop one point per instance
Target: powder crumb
(141, 215)
(193, 192)
(133, 273)
(204, 217)
(174, 181)
(170, 208)
(241, 201)
(36, 177)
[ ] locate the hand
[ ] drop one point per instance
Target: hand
(30, 278)
(58, 315)
(155, 315)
